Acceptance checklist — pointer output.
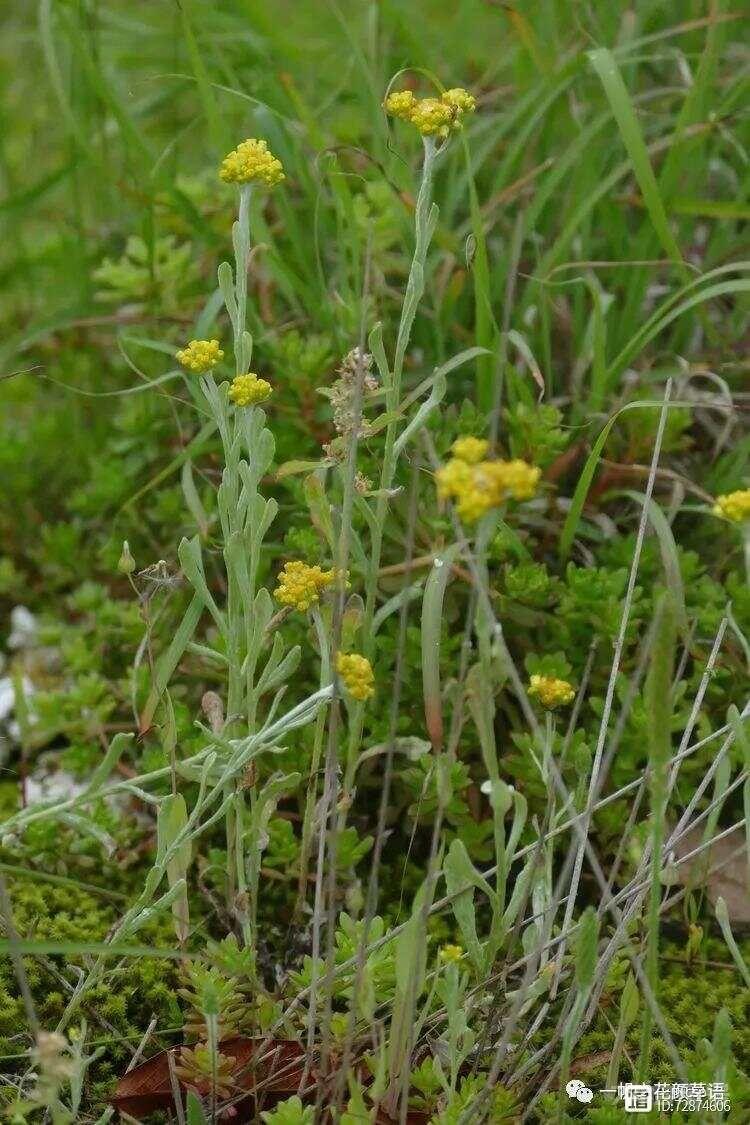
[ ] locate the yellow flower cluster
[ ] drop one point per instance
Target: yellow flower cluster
(300, 585)
(478, 485)
(357, 674)
(251, 160)
(734, 506)
(451, 954)
(200, 355)
(551, 691)
(249, 390)
(431, 116)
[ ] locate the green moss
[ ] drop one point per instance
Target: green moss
(116, 1010)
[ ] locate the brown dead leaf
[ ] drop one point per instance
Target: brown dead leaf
(584, 1065)
(721, 871)
(276, 1071)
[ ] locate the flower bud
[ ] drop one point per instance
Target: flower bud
(126, 565)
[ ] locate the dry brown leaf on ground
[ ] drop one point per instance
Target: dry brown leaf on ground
(722, 868)
(273, 1068)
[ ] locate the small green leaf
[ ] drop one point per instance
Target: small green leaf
(606, 67)
(320, 509)
(195, 1114)
(629, 1002)
(460, 877)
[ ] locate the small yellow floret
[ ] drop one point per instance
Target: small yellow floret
(451, 954)
(400, 104)
(200, 355)
(249, 390)
(734, 506)
(251, 160)
(300, 585)
(551, 691)
(357, 674)
(460, 100)
(470, 449)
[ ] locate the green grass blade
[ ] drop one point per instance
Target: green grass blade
(622, 107)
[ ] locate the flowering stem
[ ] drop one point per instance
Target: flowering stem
(241, 240)
(424, 225)
(318, 738)
(658, 699)
(547, 752)
(237, 494)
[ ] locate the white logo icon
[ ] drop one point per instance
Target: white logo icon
(578, 1090)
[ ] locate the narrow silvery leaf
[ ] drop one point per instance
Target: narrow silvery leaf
(169, 660)
(246, 350)
(117, 747)
(437, 395)
(432, 620)
(269, 681)
(226, 286)
(191, 561)
(193, 500)
(375, 343)
(586, 948)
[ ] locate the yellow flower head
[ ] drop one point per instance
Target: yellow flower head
(460, 99)
(451, 954)
(476, 486)
(734, 506)
(357, 674)
(454, 478)
(252, 160)
(300, 585)
(249, 390)
(551, 692)
(400, 104)
(514, 478)
(431, 116)
(470, 449)
(200, 355)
